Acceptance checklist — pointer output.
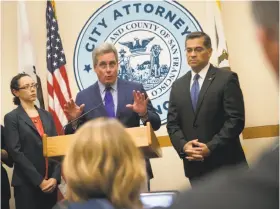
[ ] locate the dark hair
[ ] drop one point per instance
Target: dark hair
(266, 14)
(198, 34)
(15, 86)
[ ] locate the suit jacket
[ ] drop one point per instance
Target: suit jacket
(26, 148)
(218, 120)
(91, 98)
(5, 184)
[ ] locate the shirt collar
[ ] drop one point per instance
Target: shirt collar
(102, 87)
(203, 72)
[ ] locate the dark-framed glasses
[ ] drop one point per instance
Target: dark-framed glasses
(29, 87)
(104, 65)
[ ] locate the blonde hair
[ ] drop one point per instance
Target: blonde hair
(104, 161)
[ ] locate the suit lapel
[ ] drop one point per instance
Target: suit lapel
(97, 99)
(26, 118)
(210, 76)
(121, 97)
(186, 91)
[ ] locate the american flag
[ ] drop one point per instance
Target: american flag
(58, 84)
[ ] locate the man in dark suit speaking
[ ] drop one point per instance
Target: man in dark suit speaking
(111, 96)
(206, 112)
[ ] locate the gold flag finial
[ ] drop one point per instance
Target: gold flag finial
(53, 6)
(218, 4)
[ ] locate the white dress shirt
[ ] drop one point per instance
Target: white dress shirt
(202, 75)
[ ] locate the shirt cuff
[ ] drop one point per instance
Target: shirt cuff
(75, 125)
(144, 118)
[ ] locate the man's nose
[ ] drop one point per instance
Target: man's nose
(108, 69)
(193, 53)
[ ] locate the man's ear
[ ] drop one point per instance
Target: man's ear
(261, 36)
(270, 45)
(210, 50)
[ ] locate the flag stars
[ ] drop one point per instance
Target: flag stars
(53, 28)
(56, 47)
(52, 36)
(53, 20)
(55, 55)
(57, 40)
(49, 56)
(54, 64)
(61, 59)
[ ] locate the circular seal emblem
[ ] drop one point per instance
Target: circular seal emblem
(150, 39)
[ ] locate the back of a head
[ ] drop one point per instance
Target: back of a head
(103, 161)
(266, 16)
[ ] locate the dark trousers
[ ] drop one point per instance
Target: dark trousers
(29, 197)
(5, 189)
(5, 202)
(194, 180)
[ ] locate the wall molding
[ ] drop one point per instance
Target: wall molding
(248, 133)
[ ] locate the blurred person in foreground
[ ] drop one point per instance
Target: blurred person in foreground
(35, 179)
(103, 168)
(258, 187)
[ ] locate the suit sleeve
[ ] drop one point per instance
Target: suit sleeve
(173, 126)
(9, 160)
(12, 140)
(234, 112)
(55, 164)
(153, 117)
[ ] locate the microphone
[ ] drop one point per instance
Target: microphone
(72, 121)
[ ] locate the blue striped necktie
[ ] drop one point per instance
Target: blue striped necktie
(195, 91)
(109, 103)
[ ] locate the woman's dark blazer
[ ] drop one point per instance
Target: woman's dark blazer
(25, 145)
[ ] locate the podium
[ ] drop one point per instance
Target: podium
(144, 138)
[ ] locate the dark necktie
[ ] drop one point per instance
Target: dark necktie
(109, 103)
(195, 91)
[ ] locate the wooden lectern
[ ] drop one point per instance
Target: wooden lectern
(143, 136)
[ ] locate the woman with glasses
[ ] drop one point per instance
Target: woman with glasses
(35, 178)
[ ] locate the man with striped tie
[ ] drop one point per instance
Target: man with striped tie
(206, 113)
(111, 96)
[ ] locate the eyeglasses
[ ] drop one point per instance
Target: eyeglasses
(104, 65)
(29, 87)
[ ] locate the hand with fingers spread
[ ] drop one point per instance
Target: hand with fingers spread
(140, 103)
(73, 110)
(193, 151)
